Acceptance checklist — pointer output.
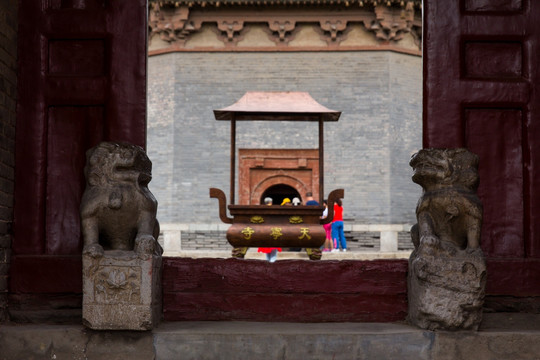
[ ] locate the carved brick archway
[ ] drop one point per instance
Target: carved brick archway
(259, 169)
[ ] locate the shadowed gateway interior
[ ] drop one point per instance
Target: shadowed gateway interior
(278, 193)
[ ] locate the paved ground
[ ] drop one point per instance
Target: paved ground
(287, 255)
(501, 336)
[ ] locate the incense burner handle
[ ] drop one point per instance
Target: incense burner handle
(335, 194)
(220, 195)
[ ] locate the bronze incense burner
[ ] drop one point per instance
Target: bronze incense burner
(276, 226)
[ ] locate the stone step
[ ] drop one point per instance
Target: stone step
(501, 336)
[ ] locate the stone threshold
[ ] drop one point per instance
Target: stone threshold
(501, 336)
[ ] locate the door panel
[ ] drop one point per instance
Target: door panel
(71, 131)
(503, 234)
(82, 80)
(481, 91)
(493, 5)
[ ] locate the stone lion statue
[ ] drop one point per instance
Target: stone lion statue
(449, 209)
(118, 212)
(447, 271)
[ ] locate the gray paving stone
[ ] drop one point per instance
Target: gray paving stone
(501, 336)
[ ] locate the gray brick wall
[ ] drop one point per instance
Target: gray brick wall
(8, 85)
(366, 152)
(404, 135)
(205, 240)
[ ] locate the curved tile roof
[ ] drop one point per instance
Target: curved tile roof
(277, 105)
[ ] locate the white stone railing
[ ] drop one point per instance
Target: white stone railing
(171, 234)
(389, 233)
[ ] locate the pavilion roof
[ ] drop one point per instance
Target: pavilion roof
(277, 105)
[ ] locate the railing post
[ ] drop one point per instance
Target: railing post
(172, 240)
(389, 241)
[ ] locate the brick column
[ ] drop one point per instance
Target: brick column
(8, 85)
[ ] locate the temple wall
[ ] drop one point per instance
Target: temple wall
(366, 152)
(8, 85)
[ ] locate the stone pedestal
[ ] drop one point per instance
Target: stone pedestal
(121, 291)
(446, 287)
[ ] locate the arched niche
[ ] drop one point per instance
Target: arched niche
(279, 192)
(273, 181)
(259, 169)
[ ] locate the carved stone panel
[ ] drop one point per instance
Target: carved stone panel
(117, 284)
(121, 291)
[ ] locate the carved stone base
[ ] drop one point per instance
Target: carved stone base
(446, 287)
(121, 291)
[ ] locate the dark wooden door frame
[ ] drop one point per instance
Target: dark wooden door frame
(82, 79)
(44, 268)
(481, 87)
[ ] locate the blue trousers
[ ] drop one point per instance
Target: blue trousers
(339, 235)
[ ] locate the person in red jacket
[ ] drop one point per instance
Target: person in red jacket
(337, 227)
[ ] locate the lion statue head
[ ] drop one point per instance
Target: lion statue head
(111, 162)
(440, 168)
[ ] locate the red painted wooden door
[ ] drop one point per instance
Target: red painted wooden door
(482, 91)
(82, 79)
